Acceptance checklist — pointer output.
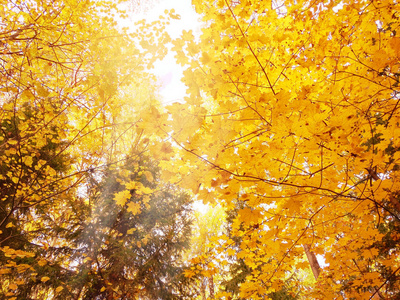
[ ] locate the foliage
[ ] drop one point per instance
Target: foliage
(68, 85)
(291, 124)
(293, 105)
(207, 228)
(134, 236)
(238, 270)
(32, 217)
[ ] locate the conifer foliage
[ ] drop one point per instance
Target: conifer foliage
(134, 236)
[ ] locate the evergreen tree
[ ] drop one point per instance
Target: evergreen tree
(132, 248)
(36, 205)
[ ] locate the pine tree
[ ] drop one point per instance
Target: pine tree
(33, 191)
(133, 248)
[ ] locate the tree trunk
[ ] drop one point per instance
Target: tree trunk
(312, 259)
(203, 286)
(211, 286)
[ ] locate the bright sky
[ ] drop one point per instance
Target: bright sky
(168, 72)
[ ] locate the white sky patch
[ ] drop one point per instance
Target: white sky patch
(168, 72)
(200, 207)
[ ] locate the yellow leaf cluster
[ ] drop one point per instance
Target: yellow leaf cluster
(293, 112)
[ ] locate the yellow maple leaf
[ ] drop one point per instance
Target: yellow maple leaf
(231, 252)
(189, 273)
(12, 142)
(121, 197)
(132, 185)
(45, 279)
(5, 271)
(134, 208)
(148, 176)
(130, 231)
(42, 262)
(28, 161)
(51, 171)
(249, 216)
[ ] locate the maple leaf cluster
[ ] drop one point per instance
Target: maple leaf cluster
(292, 125)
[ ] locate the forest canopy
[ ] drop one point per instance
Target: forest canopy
(289, 131)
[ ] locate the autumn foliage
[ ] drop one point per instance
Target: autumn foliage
(293, 109)
(80, 199)
(291, 128)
